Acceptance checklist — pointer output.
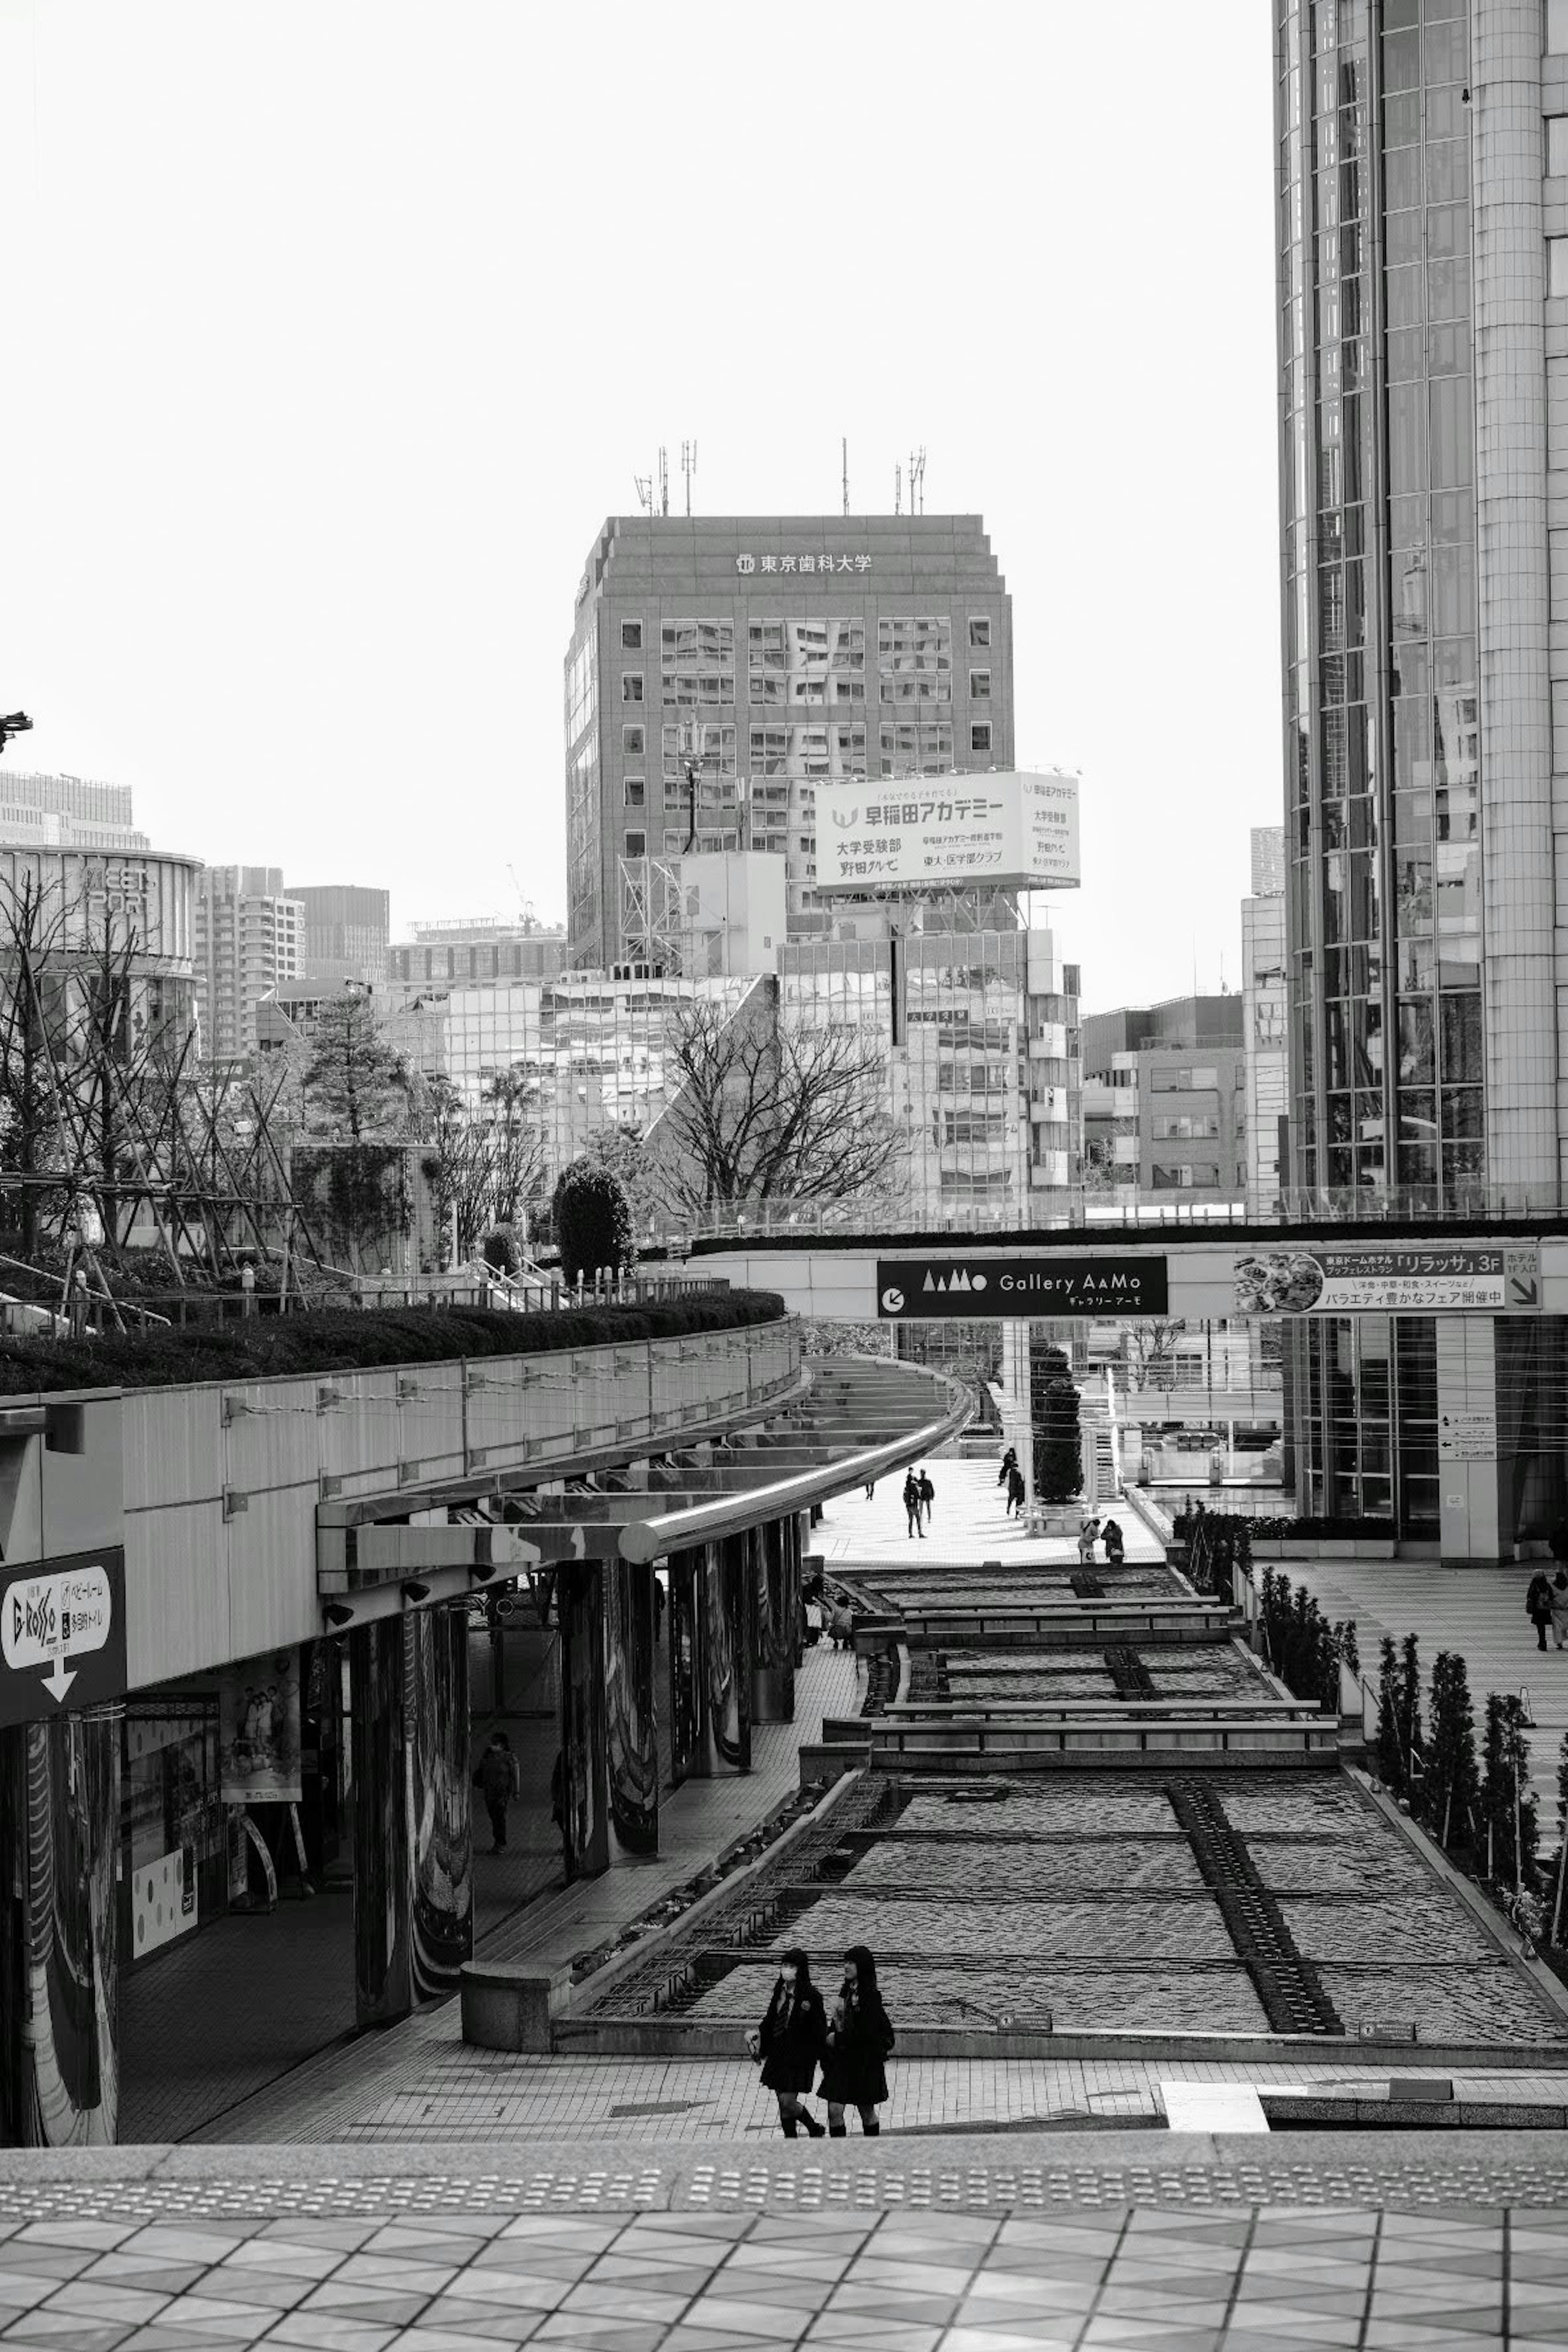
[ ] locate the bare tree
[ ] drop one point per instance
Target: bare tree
(770, 1105)
(483, 1166)
(1152, 1352)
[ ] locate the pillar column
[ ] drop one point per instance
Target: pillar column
(59, 1959)
(1470, 1520)
(583, 1793)
(632, 1729)
(685, 1639)
(412, 1839)
(726, 1647)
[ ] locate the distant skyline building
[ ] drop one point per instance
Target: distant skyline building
(720, 668)
(1268, 861)
(67, 812)
(249, 940)
(1265, 1021)
(1164, 1100)
(347, 932)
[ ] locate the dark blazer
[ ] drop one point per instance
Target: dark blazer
(793, 2036)
(859, 2040)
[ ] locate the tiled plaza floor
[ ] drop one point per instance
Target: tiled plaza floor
(1191, 2245)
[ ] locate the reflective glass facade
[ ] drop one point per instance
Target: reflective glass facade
(1381, 664)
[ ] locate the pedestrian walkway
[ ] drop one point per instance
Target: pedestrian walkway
(1480, 1612)
(698, 1822)
(1186, 2241)
(969, 1525)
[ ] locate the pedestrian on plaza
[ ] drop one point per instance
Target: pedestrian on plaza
(1086, 1536)
(843, 1627)
(813, 1608)
(1009, 1464)
(912, 1504)
(1016, 1491)
(1115, 1548)
(1538, 1605)
(498, 1780)
(928, 1496)
(792, 2042)
(1560, 1607)
(859, 2039)
(870, 1490)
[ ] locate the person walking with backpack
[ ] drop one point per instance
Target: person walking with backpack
(1017, 1492)
(498, 1781)
(859, 2040)
(928, 1496)
(791, 2042)
(912, 1505)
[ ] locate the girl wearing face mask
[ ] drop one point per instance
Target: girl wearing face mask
(859, 2038)
(790, 2041)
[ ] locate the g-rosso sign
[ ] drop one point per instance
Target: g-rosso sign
(921, 1289)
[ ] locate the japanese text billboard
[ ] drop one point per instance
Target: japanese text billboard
(1405, 1279)
(1013, 831)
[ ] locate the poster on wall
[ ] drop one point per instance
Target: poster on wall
(258, 1730)
(1405, 1279)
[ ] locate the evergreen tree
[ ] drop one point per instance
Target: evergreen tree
(1558, 1910)
(1453, 1781)
(593, 1219)
(356, 1086)
(1058, 1450)
(1389, 1751)
(1506, 1805)
(1410, 1714)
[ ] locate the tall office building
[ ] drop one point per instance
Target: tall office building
(1422, 242)
(1424, 314)
(1164, 1100)
(720, 668)
(249, 940)
(67, 812)
(347, 930)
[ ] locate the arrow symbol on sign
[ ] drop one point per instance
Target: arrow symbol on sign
(58, 1682)
(1524, 1290)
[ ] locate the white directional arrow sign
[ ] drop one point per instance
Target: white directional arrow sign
(55, 1615)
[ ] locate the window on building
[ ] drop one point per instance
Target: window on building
(631, 636)
(1556, 27)
(634, 741)
(980, 685)
(1557, 266)
(636, 791)
(979, 736)
(979, 632)
(631, 686)
(636, 844)
(1557, 145)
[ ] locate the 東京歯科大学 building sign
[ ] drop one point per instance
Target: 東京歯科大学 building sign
(814, 563)
(917, 1289)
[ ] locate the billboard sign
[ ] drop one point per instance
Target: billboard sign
(1405, 1279)
(1046, 1283)
(62, 1634)
(1011, 830)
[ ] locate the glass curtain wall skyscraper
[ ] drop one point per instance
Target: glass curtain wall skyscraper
(1423, 246)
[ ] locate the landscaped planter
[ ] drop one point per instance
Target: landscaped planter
(1325, 1547)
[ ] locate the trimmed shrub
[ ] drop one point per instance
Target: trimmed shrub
(348, 1341)
(593, 1219)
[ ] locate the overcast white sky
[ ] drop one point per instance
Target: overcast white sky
(333, 329)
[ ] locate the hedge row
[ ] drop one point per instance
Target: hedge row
(347, 1339)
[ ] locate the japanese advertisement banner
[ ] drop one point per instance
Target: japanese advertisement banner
(1012, 831)
(922, 1289)
(1405, 1279)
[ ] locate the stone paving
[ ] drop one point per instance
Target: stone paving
(969, 1527)
(1192, 2244)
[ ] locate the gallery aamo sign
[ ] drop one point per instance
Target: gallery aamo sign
(917, 1289)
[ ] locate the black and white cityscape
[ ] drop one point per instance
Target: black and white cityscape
(784, 1253)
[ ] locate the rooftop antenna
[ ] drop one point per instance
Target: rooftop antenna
(844, 448)
(663, 479)
(645, 491)
(689, 467)
(898, 489)
(918, 480)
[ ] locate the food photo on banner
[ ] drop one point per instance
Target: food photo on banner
(258, 1730)
(1412, 1278)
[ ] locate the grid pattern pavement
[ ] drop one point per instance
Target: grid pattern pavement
(1173, 2270)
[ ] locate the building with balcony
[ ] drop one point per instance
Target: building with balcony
(249, 941)
(1164, 1101)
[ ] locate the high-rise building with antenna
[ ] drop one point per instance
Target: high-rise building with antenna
(720, 666)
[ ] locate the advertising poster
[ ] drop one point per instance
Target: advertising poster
(1405, 1279)
(1015, 831)
(258, 1730)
